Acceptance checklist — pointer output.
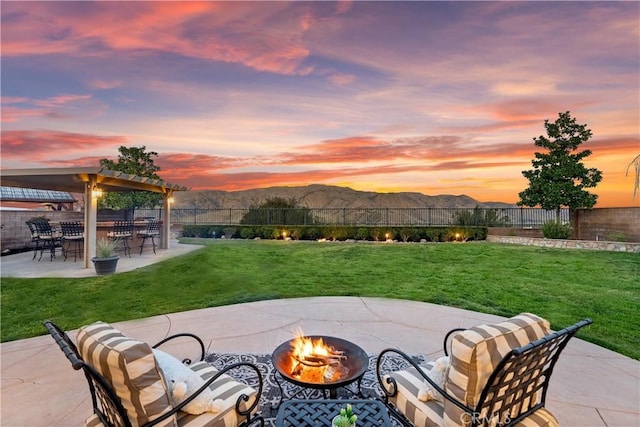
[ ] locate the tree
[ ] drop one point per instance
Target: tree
(636, 164)
(133, 161)
(481, 217)
(280, 211)
(559, 178)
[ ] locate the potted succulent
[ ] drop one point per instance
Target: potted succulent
(346, 418)
(106, 259)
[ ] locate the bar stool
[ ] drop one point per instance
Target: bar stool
(49, 237)
(152, 231)
(122, 232)
(72, 234)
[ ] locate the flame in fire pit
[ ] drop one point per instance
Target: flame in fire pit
(313, 361)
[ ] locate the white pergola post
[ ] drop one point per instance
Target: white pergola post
(166, 223)
(90, 221)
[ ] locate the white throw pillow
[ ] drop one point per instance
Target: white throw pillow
(438, 373)
(182, 382)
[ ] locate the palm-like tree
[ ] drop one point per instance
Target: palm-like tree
(636, 164)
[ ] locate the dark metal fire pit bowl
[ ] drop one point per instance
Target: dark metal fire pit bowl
(355, 365)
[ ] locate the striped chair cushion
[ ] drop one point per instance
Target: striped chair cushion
(409, 382)
(541, 418)
(225, 388)
(476, 352)
(93, 421)
(130, 368)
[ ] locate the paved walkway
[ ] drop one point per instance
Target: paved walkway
(591, 386)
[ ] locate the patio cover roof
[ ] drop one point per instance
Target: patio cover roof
(16, 194)
(84, 180)
(74, 180)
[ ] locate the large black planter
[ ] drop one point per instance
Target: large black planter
(105, 265)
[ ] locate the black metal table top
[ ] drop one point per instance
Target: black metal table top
(319, 413)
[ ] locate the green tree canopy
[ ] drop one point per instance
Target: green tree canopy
(134, 161)
(481, 217)
(280, 211)
(559, 177)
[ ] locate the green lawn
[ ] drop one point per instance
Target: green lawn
(563, 286)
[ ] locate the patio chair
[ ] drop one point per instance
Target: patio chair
(129, 388)
(151, 232)
(34, 237)
(498, 375)
(47, 236)
(72, 235)
(122, 232)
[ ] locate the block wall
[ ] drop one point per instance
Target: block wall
(608, 224)
(15, 233)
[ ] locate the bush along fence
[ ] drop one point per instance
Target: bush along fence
(337, 232)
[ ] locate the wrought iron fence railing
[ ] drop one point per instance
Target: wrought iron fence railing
(423, 217)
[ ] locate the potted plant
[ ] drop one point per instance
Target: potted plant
(346, 418)
(106, 259)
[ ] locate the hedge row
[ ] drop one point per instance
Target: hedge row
(404, 234)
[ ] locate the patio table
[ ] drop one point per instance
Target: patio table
(311, 413)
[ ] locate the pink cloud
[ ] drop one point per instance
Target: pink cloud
(57, 107)
(60, 100)
(227, 31)
(105, 84)
(28, 145)
(12, 115)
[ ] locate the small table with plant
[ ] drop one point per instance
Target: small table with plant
(321, 413)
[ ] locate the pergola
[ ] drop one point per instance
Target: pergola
(90, 181)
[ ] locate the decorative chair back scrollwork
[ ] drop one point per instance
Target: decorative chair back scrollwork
(107, 407)
(129, 387)
(122, 232)
(34, 237)
(151, 232)
(498, 375)
(47, 236)
(72, 235)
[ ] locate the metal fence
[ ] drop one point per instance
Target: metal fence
(422, 217)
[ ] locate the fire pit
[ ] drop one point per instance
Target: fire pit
(320, 362)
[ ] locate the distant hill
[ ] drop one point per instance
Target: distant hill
(324, 196)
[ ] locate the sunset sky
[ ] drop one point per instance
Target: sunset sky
(431, 97)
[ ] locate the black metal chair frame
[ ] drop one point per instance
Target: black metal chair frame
(518, 385)
(72, 234)
(107, 405)
(35, 238)
(123, 232)
(152, 230)
(47, 237)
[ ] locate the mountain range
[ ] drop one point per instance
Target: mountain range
(324, 196)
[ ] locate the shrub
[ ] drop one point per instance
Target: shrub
(556, 230)
(362, 233)
(433, 234)
(201, 231)
(247, 233)
(229, 232)
(617, 236)
(278, 210)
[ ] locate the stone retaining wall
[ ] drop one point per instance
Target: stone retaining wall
(568, 244)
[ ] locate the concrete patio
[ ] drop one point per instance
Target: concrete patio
(591, 386)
